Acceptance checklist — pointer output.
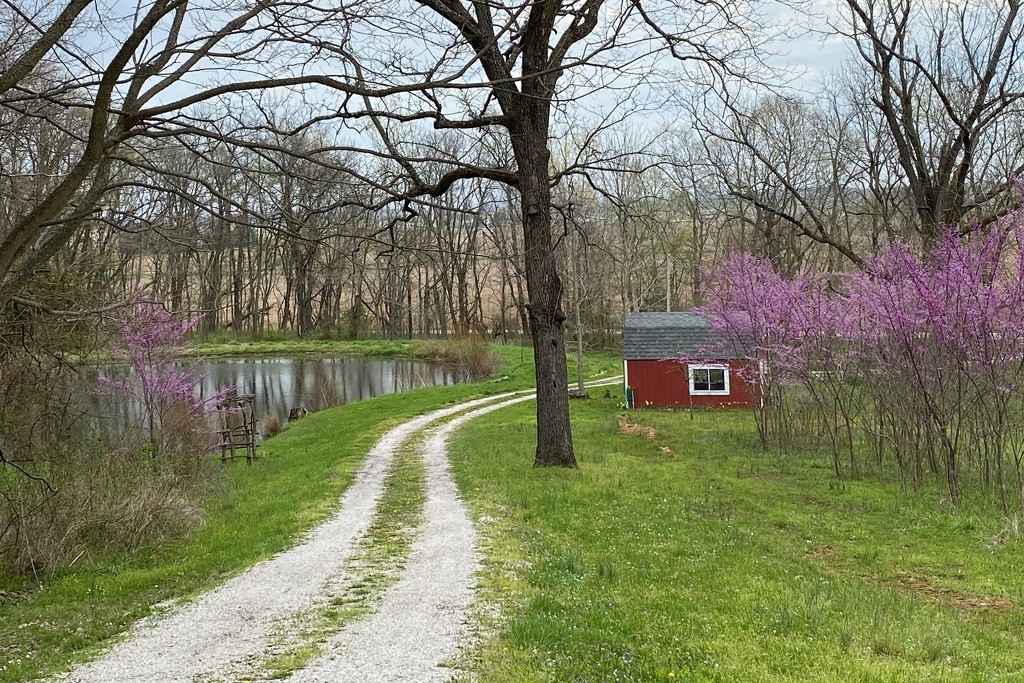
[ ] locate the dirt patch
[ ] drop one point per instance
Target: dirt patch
(958, 599)
(630, 428)
(829, 558)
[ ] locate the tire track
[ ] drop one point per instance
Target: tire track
(422, 621)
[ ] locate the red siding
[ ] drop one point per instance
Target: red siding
(664, 383)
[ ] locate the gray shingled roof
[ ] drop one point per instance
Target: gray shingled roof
(653, 336)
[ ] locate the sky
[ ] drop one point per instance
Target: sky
(808, 55)
(814, 50)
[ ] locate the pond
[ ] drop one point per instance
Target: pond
(314, 383)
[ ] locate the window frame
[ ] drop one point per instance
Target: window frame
(708, 392)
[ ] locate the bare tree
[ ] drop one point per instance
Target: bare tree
(948, 80)
(136, 77)
(920, 132)
(385, 71)
(786, 166)
(481, 68)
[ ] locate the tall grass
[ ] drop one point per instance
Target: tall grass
(95, 499)
(469, 353)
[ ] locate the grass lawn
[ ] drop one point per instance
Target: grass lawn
(295, 483)
(681, 552)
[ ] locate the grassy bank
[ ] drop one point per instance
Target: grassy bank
(680, 552)
(294, 484)
(296, 346)
(291, 346)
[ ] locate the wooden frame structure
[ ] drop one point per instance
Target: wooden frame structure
(237, 427)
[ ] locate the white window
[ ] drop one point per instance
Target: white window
(709, 380)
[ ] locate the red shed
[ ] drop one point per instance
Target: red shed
(652, 341)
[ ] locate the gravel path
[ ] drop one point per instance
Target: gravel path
(417, 630)
(221, 628)
(422, 620)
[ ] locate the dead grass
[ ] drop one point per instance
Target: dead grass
(965, 601)
(630, 428)
(829, 559)
(96, 501)
(272, 426)
(469, 353)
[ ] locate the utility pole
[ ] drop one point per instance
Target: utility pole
(668, 283)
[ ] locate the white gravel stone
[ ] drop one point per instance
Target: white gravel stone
(422, 620)
(420, 625)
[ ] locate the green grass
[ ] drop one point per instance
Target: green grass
(273, 347)
(690, 557)
(715, 561)
(295, 483)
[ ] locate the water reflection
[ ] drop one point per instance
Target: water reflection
(280, 384)
(317, 383)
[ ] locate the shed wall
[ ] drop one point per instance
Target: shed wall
(664, 383)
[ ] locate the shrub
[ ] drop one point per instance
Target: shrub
(469, 353)
(272, 427)
(97, 498)
(65, 494)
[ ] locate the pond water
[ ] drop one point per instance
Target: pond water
(314, 383)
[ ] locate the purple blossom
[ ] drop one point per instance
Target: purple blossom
(152, 340)
(908, 343)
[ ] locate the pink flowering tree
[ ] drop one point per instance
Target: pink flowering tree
(152, 340)
(945, 341)
(915, 361)
(756, 314)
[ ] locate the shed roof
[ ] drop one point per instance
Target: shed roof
(653, 336)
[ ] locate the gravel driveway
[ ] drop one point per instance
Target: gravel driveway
(215, 634)
(421, 622)
(416, 631)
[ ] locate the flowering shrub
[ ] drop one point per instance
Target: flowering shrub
(151, 341)
(914, 360)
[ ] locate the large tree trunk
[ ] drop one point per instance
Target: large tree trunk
(544, 288)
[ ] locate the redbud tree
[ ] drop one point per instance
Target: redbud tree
(914, 361)
(151, 341)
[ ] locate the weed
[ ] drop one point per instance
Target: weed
(100, 498)
(469, 354)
